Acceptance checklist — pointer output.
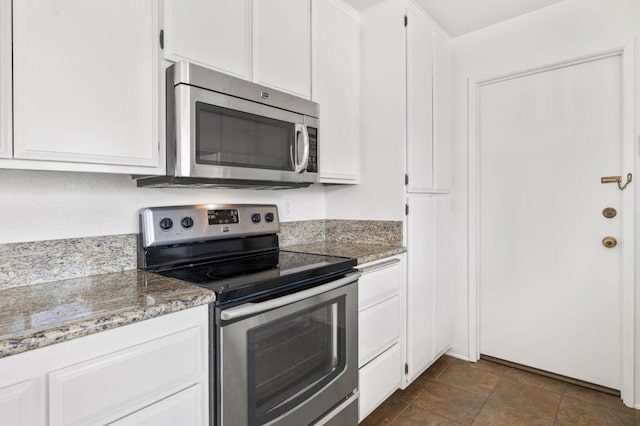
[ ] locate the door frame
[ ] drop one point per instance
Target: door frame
(626, 52)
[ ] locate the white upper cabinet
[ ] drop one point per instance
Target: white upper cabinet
(429, 107)
(211, 33)
(442, 114)
(282, 45)
(335, 88)
(5, 79)
(420, 40)
(86, 83)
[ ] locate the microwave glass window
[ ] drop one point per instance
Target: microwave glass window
(292, 358)
(225, 137)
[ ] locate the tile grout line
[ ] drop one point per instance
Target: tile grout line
(485, 401)
(555, 419)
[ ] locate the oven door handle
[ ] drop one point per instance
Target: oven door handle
(255, 308)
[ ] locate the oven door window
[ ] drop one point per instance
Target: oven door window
(290, 359)
(226, 137)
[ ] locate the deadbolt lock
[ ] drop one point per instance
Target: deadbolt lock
(609, 212)
(609, 242)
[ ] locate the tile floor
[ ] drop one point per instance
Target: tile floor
(454, 392)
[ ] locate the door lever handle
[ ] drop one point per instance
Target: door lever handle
(618, 180)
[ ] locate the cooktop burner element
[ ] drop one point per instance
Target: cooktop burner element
(227, 251)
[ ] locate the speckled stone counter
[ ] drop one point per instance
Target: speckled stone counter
(363, 252)
(44, 314)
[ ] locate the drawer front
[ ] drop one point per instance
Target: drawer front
(183, 408)
(379, 379)
(114, 385)
(384, 279)
(378, 329)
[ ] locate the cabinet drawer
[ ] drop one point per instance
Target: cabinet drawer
(114, 385)
(384, 279)
(379, 379)
(379, 328)
(183, 408)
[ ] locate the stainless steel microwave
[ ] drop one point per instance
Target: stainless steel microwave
(224, 131)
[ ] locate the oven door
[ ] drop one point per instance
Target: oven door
(225, 137)
(289, 360)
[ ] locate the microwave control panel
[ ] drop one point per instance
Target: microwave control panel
(312, 165)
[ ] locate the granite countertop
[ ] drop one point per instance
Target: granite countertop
(363, 252)
(39, 315)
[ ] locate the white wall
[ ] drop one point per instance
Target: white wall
(51, 205)
(568, 29)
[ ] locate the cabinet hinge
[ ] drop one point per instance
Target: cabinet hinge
(406, 179)
(161, 39)
(406, 368)
(406, 209)
(406, 20)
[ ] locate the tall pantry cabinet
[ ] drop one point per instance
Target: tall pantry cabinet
(406, 70)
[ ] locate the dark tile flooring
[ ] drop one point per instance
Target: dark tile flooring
(453, 392)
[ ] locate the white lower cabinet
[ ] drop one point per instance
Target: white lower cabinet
(152, 372)
(428, 281)
(379, 379)
(17, 403)
(381, 321)
(183, 408)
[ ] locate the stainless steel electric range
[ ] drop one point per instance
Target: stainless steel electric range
(284, 327)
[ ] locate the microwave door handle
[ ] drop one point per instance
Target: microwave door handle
(301, 130)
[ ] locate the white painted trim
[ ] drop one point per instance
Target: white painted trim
(458, 356)
(626, 51)
(628, 302)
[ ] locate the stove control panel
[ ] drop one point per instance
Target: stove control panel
(161, 226)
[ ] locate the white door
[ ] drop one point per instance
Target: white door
(550, 291)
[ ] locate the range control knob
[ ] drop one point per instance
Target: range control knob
(269, 217)
(187, 222)
(166, 224)
(255, 218)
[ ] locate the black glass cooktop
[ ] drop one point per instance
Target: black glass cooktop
(254, 276)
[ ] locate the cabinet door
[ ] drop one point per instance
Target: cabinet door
(442, 115)
(17, 406)
(419, 102)
(211, 33)
(429, 264)
(282, 45)
(5, 79)
(183, 408)
(335, 88)
(443, 320)
(86, 81)
(421, 275)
